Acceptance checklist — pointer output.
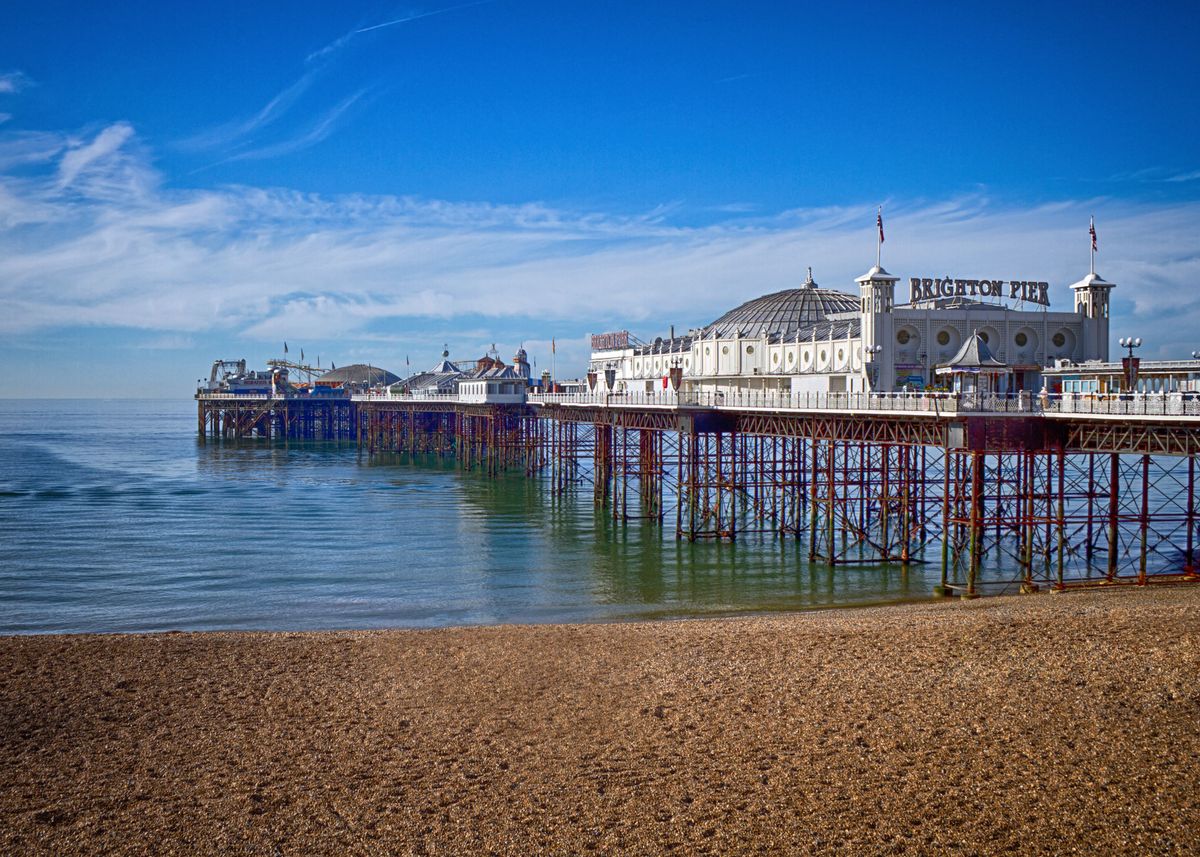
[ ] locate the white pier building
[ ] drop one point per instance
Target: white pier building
(812, 339)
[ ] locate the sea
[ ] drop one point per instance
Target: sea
(115, 518)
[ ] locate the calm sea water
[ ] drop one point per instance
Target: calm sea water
(114, 518)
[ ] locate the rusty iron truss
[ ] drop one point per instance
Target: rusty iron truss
(1019, 501)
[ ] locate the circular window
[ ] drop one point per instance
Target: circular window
(903, 337)
(707, 350)
(657, 365)
(775, 359)
(1059, 340)
(791, 358)
(841, 354)
(983, 335)
(687, 364)
(807, 356)
(1021, 339)
(724, 349)
(823, 353)
(943, 337)
(749, 349)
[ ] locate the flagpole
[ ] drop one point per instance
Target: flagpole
(1092, 242)
(879, 237)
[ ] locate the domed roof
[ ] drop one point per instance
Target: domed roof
(358, 373)
(785, 312)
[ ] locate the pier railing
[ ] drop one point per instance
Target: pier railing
(930, 403)
(1178, 405)
(933, 404)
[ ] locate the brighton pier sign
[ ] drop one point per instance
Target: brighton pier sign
(929, 288)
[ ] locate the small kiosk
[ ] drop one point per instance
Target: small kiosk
(974, 373)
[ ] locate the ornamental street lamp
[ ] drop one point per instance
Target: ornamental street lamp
(1130, 364)
(872, 351)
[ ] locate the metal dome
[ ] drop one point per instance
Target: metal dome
(357, 373)
(784, 313)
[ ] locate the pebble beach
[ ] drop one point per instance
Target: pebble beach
(1065, 723)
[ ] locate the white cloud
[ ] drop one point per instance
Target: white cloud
(318, 131)
(83, 155)
(121, 251)
(167, 342)
(12, 81)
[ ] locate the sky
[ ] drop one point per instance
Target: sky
(372, 182)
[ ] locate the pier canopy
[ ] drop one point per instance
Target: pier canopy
(356, 374)
(785, 313)
(974, 368)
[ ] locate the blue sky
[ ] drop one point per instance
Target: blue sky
(180, 182)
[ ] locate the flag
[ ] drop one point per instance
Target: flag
(285, 348)
(879, 223)
(1092, 232)
(553, 346)
(664, 382)
(301, 355)
(406, 363)
(332, 365)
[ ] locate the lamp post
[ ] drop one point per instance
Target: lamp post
(1130, 364)
(872, 351)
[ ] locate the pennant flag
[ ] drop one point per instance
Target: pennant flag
(664, 382)
(879, 223)
(406, 363)
(332, 365)
(301, 355)
(285, 348)
(1092, 232)
(553, 346)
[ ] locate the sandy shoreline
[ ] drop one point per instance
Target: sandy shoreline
(1047, 723)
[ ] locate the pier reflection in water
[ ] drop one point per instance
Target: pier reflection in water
(113, 518)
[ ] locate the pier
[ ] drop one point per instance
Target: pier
(1038, 492)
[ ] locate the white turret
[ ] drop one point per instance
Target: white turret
(1091, 302)
(878, 290)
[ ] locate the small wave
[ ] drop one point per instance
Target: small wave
(53, 494)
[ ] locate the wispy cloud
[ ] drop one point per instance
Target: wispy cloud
(78, 158)
(318, 131)
(1155, 175)
(13, 81)
(419, 15)
(233, 132)
(119, 250)
(242, 133)
(167, 342)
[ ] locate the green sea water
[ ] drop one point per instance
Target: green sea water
(114, 518)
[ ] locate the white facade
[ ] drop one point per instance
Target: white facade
(814, 339)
